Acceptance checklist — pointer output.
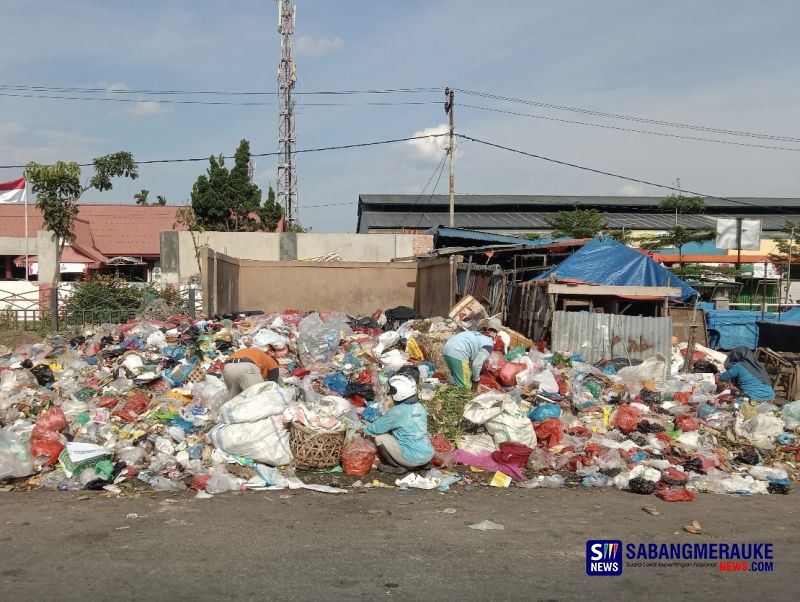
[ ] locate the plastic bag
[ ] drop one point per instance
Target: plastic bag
(46, 447)
(675, 494)
(43, 374)
(502, 417)
(52, 420)
(544, 411)
(15, 456)
(686, 423)
(626, 418)
(791, 415)
(358, 456)
(550, 432)
(496, 362)
(508, 373)
(265, 441)
(256, 403)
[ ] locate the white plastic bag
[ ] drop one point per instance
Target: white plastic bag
(385, 340)
(265, 441)
(157, 340)
(502, 417)
(654, 368)
(268, 338)
(394, 359)
(15, 456)
(256, 403)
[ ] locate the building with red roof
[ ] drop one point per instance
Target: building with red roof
(109, 239)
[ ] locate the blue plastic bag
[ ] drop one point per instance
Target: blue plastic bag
(544, 411)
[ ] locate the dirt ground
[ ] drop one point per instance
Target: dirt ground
(13, 338)
(377, 543)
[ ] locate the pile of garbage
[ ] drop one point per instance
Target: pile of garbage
(143, 404)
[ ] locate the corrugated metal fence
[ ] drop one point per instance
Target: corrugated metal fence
(597, 336)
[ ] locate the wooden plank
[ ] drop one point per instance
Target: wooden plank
(607, 290)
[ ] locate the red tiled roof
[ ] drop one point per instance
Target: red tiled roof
(68, 255)
(101, 230)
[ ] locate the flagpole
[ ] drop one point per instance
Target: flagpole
(27, 255)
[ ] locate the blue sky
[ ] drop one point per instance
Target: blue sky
(725, 64)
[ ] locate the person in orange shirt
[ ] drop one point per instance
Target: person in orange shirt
(247, 367)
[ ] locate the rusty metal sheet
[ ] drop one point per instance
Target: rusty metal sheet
(598, 337)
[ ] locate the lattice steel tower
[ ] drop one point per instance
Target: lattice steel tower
(286, 181)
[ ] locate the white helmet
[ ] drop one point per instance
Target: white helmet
(402, 387)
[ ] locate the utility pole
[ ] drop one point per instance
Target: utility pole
(789, 267)
(286, 181)
(449, 108)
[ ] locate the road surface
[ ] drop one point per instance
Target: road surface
(377, 544)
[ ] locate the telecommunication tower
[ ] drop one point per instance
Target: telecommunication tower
(286, 181)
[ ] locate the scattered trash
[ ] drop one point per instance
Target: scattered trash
(487, 525)
(651, 510)
(693, 528)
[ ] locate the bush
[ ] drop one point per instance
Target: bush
(102, 299)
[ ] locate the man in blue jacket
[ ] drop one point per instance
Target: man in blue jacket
(750, 376)
(402, 433)
(465, 354)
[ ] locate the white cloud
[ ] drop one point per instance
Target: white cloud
(311, 46)
(630, 189)
(429, 149)
(145, 108)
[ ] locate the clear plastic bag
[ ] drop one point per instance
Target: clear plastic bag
(358, 456)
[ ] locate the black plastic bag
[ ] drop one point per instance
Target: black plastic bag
(780, 488)
(363, 390)
(693, 465)
(749, 456)
(43, 374)
(642, 486)
(397, 316)
(649, 427)
(704, 367)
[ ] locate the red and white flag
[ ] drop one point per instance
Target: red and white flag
(13, 191)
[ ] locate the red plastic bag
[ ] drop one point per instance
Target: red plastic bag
(136, 404)
(357, 457)
(52, 420)
(496, 362)
(508, 373)
(626, 418)
(673, 476)
(686, 423)
(675, 494)
(549, 433)
(200, 482)
(512, 453)
(682, 397)
(46, 446)
(489, 381)
(442, 447)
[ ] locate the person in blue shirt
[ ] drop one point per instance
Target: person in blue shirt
(465, 354)
(402, 433)
(748, 374)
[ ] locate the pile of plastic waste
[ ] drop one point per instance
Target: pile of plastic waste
(143, 403)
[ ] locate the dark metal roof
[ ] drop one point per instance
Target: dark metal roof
(371, 220)
(451, 235)
(621, 203)
(518, 213)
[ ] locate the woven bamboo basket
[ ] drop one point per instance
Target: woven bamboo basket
(434, 345)
(315, 449)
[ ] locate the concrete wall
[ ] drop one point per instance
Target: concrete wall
(179, 257)
(16, 246)
(435, 296)
(352, 287)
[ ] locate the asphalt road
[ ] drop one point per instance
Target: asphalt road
(376, 544)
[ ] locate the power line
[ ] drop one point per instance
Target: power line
(630, 117)
(215, 102)
(606, 173)
(32, 88)
(304, 150)
(622, 129)
(433, 191)
(439, 166)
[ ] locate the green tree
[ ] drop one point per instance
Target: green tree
(679, 204)
(677, 237)
(577, 223)
(141, 197)
(227, 200)
(58, 188)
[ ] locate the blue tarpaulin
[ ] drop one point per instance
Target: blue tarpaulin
(605, 261)
(730, 328)
(792, 315)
